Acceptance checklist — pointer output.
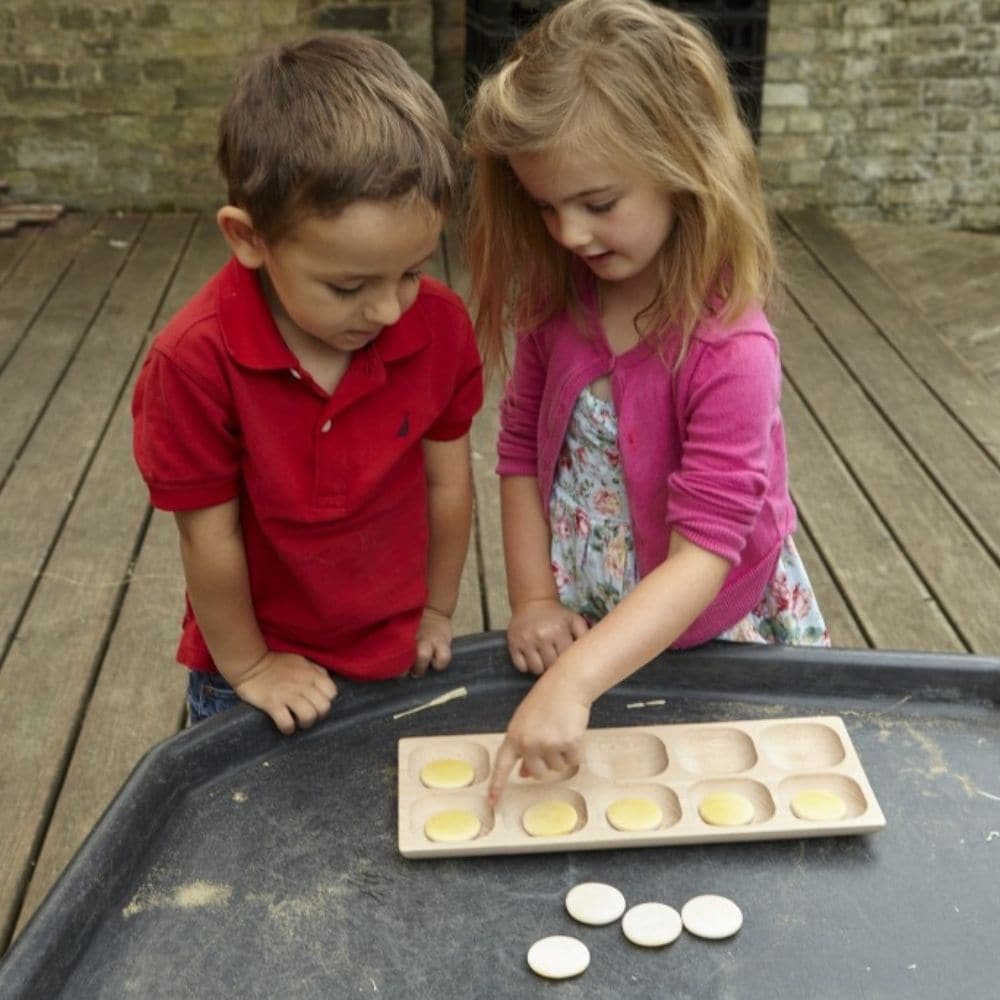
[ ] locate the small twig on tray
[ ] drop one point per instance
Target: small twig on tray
(460, 692)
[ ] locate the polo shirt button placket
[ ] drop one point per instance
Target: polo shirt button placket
(330, 484)
(295, 374)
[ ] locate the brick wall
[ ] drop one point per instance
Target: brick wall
(115, 104)
(872, 108)
(885, 109)
(449, 54)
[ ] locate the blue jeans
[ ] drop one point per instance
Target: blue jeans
(208, 694)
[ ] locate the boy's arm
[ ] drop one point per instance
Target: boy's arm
(286, 686)
(540, 626)
(449, 511)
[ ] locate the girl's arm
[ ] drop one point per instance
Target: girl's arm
(286, 686)
(449, 511)
(540, 626)
(547, 729)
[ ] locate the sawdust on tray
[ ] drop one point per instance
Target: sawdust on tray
(194, 895)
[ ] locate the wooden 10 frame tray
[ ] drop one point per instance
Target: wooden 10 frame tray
(766, 767)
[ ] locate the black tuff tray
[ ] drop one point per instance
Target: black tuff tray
(239, 863)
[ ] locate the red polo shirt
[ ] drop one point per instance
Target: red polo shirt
(332, 489)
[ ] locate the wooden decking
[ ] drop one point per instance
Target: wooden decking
(895, 462)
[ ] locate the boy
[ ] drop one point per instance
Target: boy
(305, 416)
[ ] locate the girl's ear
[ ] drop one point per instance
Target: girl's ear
(237, 227)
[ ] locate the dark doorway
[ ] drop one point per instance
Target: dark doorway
(738, 26)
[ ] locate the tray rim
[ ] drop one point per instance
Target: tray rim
(51, 942)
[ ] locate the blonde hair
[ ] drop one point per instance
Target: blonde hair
(649, 88)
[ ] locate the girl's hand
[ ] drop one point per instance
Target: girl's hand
(539, 631)
(545, 734)
(289, 688)
(433, 642)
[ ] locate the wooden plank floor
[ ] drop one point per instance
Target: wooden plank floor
(894, 435)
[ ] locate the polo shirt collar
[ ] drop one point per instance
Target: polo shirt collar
(252, 337)
(248, 330)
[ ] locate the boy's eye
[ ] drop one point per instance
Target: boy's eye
(340, 290)
(413, 275)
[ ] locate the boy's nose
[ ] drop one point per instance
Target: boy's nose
(384, 310)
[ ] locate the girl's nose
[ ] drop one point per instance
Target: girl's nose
(572, 231)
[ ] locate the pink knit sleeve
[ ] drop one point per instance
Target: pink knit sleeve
(730, 396)
(517, 445)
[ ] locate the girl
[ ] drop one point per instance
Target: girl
(618, 224)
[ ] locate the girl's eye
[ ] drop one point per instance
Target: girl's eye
(604, 206)
(413, 275)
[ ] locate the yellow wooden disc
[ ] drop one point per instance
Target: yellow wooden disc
(447, 773)
(452, 825)
(817, 803)
(726, 809)
(549, 818)
(636, 813)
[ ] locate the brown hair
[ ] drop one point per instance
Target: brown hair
(649, 88)
(314, 125)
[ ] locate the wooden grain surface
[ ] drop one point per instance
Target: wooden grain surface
(894, 440)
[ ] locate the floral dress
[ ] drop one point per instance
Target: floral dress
(593, 552)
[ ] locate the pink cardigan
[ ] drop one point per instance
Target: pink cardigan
(703, 451)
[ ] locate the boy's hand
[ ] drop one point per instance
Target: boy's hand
(433, 642)
(290, 689)
(545, 734)
(539, 631)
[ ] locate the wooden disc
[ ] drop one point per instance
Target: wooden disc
(726, 809)
(549, 818)
(817, 803)
(452, 825)
(634, 813)
(558, 957)
(652, 925)
(447, 773)
(712, 917)
(595, 903)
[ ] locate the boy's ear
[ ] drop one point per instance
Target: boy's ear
(237, 227)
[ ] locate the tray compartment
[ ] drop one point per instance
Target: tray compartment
(431, 804)
(795, 746)
(846, 788)
(713, 750)
(602, 796)
(517, 799)
(621, 755)
(754, 792)
(474, 754)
